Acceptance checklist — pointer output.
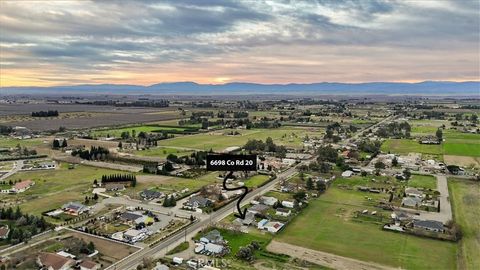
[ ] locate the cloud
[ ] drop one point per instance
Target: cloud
(188, 39)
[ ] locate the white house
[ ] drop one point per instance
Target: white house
(288, 204)
(283, 212)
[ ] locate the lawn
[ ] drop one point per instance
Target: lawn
(55, 187)
(163, 152)
(326, 225)
(405, 146)
(465, 197)
(219, 140)
(422, 181)
(462, 149)
(6, 142)
(256, 180)
(116, 132)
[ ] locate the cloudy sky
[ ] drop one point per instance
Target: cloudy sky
(45, 43)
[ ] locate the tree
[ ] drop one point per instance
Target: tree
(379, 165)
(56, 144)
(394, 162)
(439, 135)
(120, 145)
(64, 143)
(309, 183)
(299, 196)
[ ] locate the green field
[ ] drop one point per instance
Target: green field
(462, 149)
(116, 132)
(465, 196)
(6, 142)
(422, 181)
(219, 141)
(327, 225)
(256, 180)
(163, 152)
(405, 146)
(55, 187)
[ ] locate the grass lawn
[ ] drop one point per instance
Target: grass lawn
(183, 246)
(238, 239)
(465, 197)
(405, 146)
(219, 141)
(256, 180)
(462, 149)
(116, 132)
(7, 142)
(326, 225)
(55, 187)
(163, 152)
(422, 181)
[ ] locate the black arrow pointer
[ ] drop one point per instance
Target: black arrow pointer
(240, 214)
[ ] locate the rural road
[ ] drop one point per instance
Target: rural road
(159, 250)
(17, 165)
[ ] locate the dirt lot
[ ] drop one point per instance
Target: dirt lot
(110, 250)
(462, 160)
(322, 258)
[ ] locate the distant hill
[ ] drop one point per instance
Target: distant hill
(468, 88)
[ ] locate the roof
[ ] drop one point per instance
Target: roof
(130, 216)
(74, 205)
(53, 260)
(412, 190)
(88, 264)
(283, 210)
(411, 201)
(201, 201)
(214, 248)
(132, 232)
(23, 184)
(213, 236)
(347, 173)
(432, 224)
(4, 231)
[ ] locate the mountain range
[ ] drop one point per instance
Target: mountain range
(467, 88)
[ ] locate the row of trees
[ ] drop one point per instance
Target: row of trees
(95, 153)
(45, 114)
(169, 201)
(395, 130)
(114, 178)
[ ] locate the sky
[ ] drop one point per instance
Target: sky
(48, 43)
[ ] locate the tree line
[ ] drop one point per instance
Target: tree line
(45, 114)
(95, 153)
(113, 178)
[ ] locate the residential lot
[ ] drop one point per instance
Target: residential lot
(327, 225)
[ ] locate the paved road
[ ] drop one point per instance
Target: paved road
(159, 250)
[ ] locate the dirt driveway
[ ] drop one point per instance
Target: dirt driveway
(322, 258)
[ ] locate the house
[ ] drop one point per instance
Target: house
(4, 230)
(114, 187)
(148, 194)
(411, 202)
(288, 204)
(48, 165)
(22, 186)
(133, 235)
(429, 225)
(270, 226)
(258, 209)
(270, 201)
(347, 173)
(89, 265)
(248, 220)
(52, 261)
(160, 266)
(131, 217)
(66, 254)
(213, 236)
(413, 192)
(283, 212)
(214, 248)
(74, 208)
(401, 216)
(195, 202)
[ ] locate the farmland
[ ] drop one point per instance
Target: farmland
(163, 152)
(422, 181)
(219, 140)
(405, 146)
(326, 225)
(55, 187)
(465, 196)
